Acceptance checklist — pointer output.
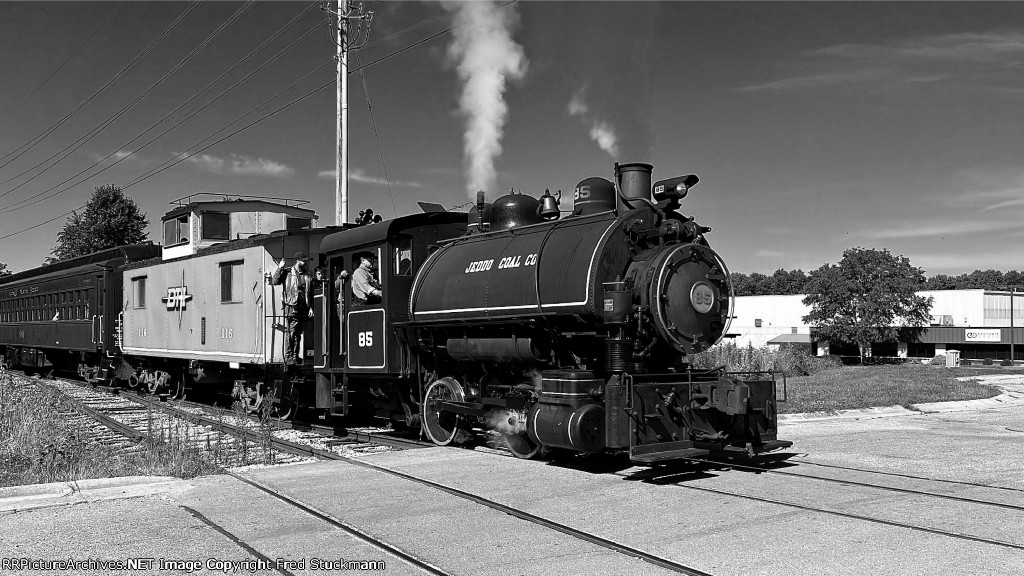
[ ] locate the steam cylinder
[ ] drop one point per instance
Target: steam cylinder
(567, 415)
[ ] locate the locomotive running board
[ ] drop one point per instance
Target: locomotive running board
(666, 455)
(649, 454)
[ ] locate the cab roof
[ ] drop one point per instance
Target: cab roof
(379, 232)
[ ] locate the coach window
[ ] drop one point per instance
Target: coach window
(139, 291)
(176, 231)
(216, 226)
(231, 282)
(403, 256)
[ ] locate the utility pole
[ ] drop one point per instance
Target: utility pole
(341, 162)
(1011, 325)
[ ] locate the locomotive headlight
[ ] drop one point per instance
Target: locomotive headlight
(674, 188)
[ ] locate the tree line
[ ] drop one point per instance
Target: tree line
(789, 282)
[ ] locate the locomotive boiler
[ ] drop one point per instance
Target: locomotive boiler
(574, 333)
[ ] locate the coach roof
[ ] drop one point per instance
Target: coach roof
(129, 252)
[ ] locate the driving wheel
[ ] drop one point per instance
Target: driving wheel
(442, 427)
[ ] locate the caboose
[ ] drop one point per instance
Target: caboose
(203, 316)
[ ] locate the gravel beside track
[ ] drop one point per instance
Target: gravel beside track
(136, 420)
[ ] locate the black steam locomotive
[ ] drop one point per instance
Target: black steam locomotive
(558, 332)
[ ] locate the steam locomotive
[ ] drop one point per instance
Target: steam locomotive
(567, 333)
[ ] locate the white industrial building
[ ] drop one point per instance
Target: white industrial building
(975, 322)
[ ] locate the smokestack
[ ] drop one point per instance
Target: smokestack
(634, 180)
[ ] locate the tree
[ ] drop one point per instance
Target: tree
(868, 297)
(4, 271)
(110, 219)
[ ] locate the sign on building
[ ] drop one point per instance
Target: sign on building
(976, 335)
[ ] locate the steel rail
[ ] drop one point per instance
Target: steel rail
(859, 483)
(119, 427)
(362, 535)
(138, 436)
(516, 513)
(849, 515)
(285, 445)
(911, 476)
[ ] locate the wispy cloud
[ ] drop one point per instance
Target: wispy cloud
(816, 81)
(918, 60)
(359, 175)
(943, 262)
(989, 189)
(939, 228)
(119, 155)
(241, 165)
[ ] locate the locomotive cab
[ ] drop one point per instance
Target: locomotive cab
(363, 356)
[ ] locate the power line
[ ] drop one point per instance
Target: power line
(258, 120)
(26, 202)
(380, 150)
(179, 159)
(42, 223)
(39, 137)
(71, 148)
(65, 62)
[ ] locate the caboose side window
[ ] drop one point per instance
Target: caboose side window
(298, 223)
(139, 291)
(231, 282)
(176, 231)
(216, 226)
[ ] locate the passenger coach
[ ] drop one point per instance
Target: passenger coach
(64, 316)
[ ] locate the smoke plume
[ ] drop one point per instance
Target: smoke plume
(613, 78)
(600, 131)
(486, 57)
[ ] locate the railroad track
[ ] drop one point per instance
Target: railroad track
(198, 418)
(851, 482)
(136, 420)
(674, 479)
(132, 417)
(910, 476)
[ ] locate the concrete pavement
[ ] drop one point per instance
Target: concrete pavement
(714, 520)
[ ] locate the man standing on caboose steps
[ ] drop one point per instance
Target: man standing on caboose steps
(297, 298)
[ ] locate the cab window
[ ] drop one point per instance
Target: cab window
(403, 256)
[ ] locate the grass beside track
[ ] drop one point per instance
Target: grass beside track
(846, 387)
(37, 445)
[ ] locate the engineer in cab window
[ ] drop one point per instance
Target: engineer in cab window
(365, 288)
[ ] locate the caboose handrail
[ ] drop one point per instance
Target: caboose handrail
(186, 200)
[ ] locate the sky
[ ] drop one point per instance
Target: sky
(814, 126)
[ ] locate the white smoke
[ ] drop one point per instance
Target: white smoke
(600, 131)
(487, 56)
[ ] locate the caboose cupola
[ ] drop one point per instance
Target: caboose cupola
(194, 224)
